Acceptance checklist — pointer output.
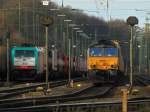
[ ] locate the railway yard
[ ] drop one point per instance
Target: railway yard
(82, 96)
(56, 58)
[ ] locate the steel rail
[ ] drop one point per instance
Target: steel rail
(45, 100)
(35, 85)
(145, 77)
(5, 94)
(21, 88)
(143, 80)
(14, 92)
(36, 100)
(65, 106)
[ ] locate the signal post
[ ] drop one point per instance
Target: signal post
(46, 21)
(132, 20)
(8, 56)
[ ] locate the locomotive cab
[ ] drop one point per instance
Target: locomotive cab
(24, 62)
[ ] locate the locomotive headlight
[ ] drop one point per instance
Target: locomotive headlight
(93, 66)
(114, 66)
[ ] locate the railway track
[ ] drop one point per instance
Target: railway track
(12, 92)
(142, 80)
(111, 106)
(83, 94)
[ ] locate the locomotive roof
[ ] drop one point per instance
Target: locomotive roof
(103, 43)
(24, 48)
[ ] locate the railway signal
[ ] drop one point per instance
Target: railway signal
(132, 20)
(46, 21)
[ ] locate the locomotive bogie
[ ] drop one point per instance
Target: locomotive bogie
(102, 76)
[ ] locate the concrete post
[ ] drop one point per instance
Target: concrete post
(131, 58)
(124, 99)
(8, 68)
(46, 56)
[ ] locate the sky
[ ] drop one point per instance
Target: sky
(117, 9)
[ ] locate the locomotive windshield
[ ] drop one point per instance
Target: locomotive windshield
(24, 53)
(96, 52)
(111, 52)
(103, 52)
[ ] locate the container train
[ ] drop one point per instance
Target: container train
(104, 61)
(28, 63)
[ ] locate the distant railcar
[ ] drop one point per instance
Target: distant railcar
(104, 61)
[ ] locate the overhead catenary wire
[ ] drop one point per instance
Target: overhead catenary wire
(97, 7)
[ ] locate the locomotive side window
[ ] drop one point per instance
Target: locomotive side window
(24, 53)
(96, 52)
(111, 52)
